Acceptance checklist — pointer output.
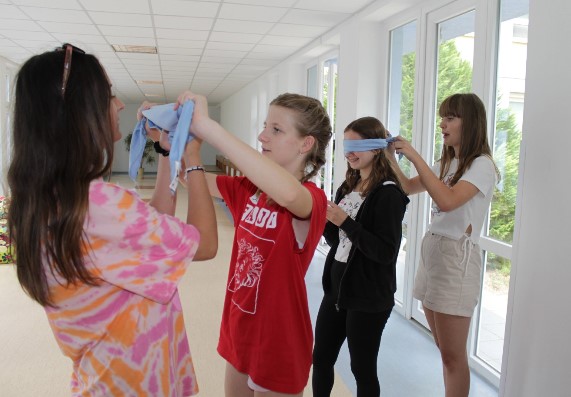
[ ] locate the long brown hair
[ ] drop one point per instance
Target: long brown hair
(369, 128)
(61, 142)
(474, 134)
(312, 120)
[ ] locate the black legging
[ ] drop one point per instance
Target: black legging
(363, 333)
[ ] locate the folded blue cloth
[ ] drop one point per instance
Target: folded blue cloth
(363, 145)
(179, 140)
(164, 117)
(138, 141)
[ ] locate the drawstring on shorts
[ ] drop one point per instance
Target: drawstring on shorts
(467, 245)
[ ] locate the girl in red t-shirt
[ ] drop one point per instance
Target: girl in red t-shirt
(266, 333)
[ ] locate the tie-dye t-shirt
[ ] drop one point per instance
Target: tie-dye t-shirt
(127, 336)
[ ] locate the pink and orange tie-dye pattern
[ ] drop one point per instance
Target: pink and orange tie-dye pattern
(126, 336)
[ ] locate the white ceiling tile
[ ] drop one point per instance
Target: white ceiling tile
(172, 22)
(288, 29)
(39, 46)
(129, 56)
(83, 41)
(250, 68)
(221, 60)
(7, 43)
(345, 6)
(225, 54)
(168, 50)
(316, 18)
(274, 3)
(216, 46)
(23, 35)
(72, 28)
(265, 55)
(19, 24)
(180, 67)
(63, 4)
(152, 89)
(285, 41)
(11, 12)
(251, 13)
(121, 19)
(186, 8)
(181, 43)
(56, 15)
(127, 31)
(220, 45)
(168, 58)
(138, 41)
(217, 66)
(235, 37)
(264, 62)
(229, 25)
(180, 34)
(126, 6)
(97, 49)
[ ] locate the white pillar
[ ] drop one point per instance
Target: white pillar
(537, 349)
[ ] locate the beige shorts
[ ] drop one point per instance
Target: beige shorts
(449, 275)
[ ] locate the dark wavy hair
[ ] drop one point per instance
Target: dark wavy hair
(474, 136)
(382, 171)
(312, 120)
(61, 142)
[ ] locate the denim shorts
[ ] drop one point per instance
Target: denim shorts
(449, 275)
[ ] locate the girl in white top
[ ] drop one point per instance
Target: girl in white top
(461, 185)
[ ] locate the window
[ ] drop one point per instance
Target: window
(402, 80)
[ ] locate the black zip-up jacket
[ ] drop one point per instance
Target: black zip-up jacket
(369, 281)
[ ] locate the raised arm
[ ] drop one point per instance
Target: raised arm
(200, 210)
(410, 185)
(447, 198)
(271, 178)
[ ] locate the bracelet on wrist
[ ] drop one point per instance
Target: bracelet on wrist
(160, 150)
(194, 168)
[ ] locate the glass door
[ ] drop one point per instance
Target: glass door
(402, 79)
(451, 33)
(505, 116)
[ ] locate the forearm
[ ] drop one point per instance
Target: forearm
(409, 185)
(438, 191)
(200, 211)
(162, 199)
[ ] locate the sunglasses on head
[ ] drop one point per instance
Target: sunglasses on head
(69, 50)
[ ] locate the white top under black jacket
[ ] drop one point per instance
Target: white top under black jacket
(369, 281)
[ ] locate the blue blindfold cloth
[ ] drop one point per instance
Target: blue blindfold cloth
(164, 117)
(363, 145)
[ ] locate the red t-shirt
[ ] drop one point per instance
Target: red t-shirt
(266, 330)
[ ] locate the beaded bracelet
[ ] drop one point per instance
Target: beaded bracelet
(194, 168)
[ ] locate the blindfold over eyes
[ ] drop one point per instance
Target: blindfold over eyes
(363, 145)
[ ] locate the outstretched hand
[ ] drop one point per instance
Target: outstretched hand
(335, 214)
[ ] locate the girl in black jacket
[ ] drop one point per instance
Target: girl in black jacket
(364, 232)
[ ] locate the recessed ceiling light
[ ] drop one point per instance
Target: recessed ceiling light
(148, 82)
(139, 49)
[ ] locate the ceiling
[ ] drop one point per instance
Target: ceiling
(214, 47)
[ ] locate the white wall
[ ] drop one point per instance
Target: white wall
(537, 348)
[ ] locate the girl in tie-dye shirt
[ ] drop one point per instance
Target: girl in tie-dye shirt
(103, 263)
